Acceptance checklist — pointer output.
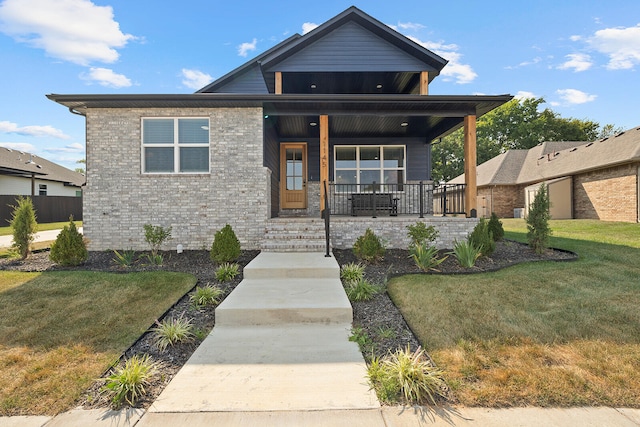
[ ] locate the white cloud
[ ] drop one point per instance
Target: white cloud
(38, 131)
(308, 26)
(577, 62)
(621, 45)
(534, 61)
(575, 38)
(19, 146)
(195, 79)
(71, 148)
(408, 26)
(245, 48)
(73, 30)
(106, 77)
(455, 69)
(574, 96)
(523, 94)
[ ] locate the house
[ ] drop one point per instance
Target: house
(318, 121)
(586, 180)
(50, 185)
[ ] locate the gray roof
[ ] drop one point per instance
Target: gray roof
(557, 159)
(19, 163)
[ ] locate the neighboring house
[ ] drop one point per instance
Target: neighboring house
(344, 107)
(586, 180)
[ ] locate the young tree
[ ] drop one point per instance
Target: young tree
(538, 230)
(24, 225)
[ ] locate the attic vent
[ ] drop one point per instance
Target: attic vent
(540, 158)
(604, 139)
(620, 134)
(556, 154)
(573, 149)
(589, 144)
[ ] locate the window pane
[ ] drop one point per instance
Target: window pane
(158, 159)
(157, 131)
(193, 131)
(370, 157)
(346, 177)
(345, 157)
(393, 177)
(194, 159)
(393, 157)
(367, 177)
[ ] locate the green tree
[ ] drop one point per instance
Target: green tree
(24, 225)
(70, 248)
(538, 230)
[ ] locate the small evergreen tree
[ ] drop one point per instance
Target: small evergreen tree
(482, 239)
(24, 225)
(226, 246)
(70, 248)
(368, 247)
(495, 227)
(538, 230)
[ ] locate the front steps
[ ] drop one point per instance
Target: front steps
(294, 234)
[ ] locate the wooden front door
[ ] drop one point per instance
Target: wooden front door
(293, 176)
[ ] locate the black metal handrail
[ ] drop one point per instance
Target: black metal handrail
(326, 214)
(449, 199)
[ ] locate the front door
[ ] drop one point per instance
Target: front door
(293, 175)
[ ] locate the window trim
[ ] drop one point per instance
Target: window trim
(381, 168)
(175, 145)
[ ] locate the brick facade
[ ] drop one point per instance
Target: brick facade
(607, 194)
(501, 199)
(119, 199)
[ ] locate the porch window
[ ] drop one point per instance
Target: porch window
(363, 165)
(175, 145)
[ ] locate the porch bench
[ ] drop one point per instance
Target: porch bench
(363, 202)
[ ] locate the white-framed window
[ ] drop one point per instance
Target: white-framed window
(175, 145)
(362, 165)
(42, 189)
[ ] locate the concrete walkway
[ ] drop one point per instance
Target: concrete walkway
(279, 355)
(41, 236)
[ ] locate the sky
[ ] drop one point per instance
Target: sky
(581, 56)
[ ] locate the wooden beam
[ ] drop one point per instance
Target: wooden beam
(470, 160)
(424, 83)
(279, 82)
(324, 156)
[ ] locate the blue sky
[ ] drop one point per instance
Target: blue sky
(582, 56)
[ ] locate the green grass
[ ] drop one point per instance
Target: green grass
(7, 231)
(59, 331)
(541, 333)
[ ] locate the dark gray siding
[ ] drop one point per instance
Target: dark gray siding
(250, 81)
(271, 160)
(351, 48)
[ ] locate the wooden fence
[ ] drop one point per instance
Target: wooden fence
(48, 208)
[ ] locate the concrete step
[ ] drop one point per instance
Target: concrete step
(310, 265)
(285, 301)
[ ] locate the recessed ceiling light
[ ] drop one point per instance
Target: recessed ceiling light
(313, 124)
(378, 86)
(313, 86)
(404, 124)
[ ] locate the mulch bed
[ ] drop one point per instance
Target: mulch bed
(379, 317)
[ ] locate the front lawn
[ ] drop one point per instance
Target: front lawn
(59, 331)
(544, 333)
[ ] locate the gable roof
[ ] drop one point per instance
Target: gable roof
(556, 159)
(21, 164)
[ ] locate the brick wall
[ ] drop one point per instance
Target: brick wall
(608, 194)
(502, 199)
(119, 199)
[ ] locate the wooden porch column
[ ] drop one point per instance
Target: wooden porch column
(278, 82)
(470, 160)
(424, 83)
(324, 156)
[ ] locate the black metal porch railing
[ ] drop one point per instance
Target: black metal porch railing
(395, 199)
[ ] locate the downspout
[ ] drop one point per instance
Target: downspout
(77, 113)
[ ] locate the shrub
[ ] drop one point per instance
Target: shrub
(127, 383)
(206, 295)
(155, 236)
(481, 238)
(226, 246)
(406, 374)
(362, 290)
(426, 257)
(495, 227)
(172, 331)
(70, 248)
(420, 234)
(124, 258)
(359, 336)
(24, 225)
(538, 230)
(156, 259)
(227, 272)
(368, 247)
(352, 272)
(466, 253)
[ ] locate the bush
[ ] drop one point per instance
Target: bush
(368, 247)
(495, 227)
(24, 225)
(70, 248)
(361, 290)
(538, 230)
(127, 383)
(426, 257)
(352, 272)
(226, 246)
(466, 253)
(124, 258)
(172, 331)
(206, 295)
(155, 236)
(420, 234)
(227, 272)
(482, 239)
